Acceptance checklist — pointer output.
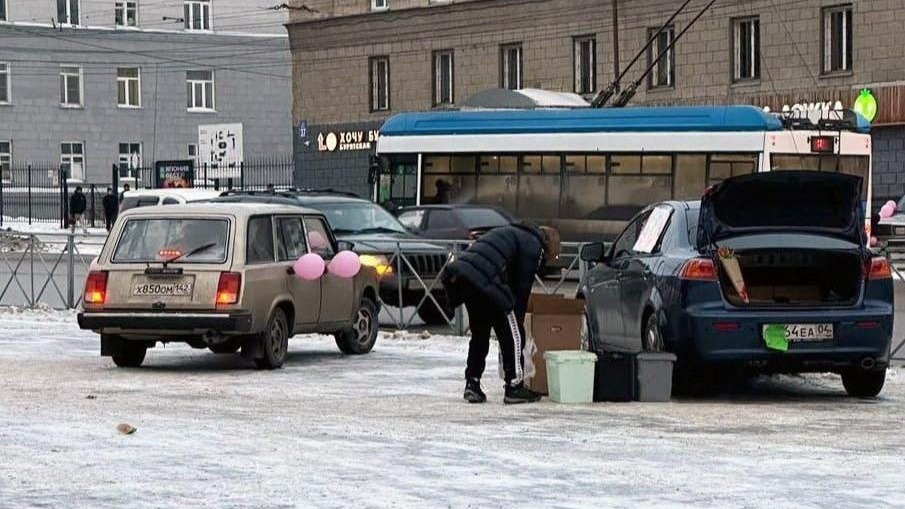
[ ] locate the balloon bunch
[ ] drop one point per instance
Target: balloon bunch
(312, 266)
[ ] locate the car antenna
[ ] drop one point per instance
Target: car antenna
(629, 92)
(607, 93)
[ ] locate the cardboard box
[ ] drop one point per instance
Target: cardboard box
(555, 324)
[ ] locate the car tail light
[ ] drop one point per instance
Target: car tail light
(96, 287)
(699, 269)
(228, 288)
(879, 268)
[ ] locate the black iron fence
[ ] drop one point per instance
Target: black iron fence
(39, 192)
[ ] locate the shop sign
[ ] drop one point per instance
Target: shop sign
(343, 141)
(221, 149)
(174, 174)
(866, 105)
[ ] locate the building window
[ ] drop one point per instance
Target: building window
(745, 49)
(200, 88)
(663, 74)
(197, 15)
(68, 12)
(4, 83)
(6, 157)
(585, 64)
(126, 13)
(837, 39)
(444, 93)
(193, 151)
(3, 10)
(70, 86)
(380, 83)
(128, 84)
(129, 159)
(379, 5)
(72, 159)
(511, 66)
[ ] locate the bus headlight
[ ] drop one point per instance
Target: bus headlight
(380, 263)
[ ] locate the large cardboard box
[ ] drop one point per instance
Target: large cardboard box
(555, 324)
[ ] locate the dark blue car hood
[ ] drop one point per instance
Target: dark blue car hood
(783, 201)
(384, 243)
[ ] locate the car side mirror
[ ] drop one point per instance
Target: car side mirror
(594, 252)
(345, 245)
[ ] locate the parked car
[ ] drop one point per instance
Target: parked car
(375, 234)
(798, 238)
(220, 276)
(176, 196)
(453, 222)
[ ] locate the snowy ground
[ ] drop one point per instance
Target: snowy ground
(389, 430)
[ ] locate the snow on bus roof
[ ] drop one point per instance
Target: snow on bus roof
(582, 120)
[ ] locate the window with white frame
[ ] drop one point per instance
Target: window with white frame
(379, 5)
(70, 86)
(511, 66)
(837, 38)
(745, 49)
(379, 78)
(6, 157)
(444, 92)
(197, 15)
(200, 88)
(5, 95)
(663, 73)
(72, 159)
(126, 13)
(128, 86)
(68, 12)
(585, 64)
(129, 159)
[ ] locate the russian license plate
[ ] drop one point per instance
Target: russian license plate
(802, 332)
(163, 289)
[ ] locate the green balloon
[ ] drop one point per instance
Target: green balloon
(866, 105)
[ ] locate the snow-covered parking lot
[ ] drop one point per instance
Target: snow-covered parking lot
(389, 430)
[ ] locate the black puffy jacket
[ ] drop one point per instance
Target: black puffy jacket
(501, 264)
(78, 203)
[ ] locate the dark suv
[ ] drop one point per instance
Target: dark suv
(375, 234)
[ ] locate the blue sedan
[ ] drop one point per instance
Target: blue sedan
(769, 272)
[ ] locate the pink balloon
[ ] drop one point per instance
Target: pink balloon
(345, 264)
(886, 211)
(892, 204)
(874, 241)
(309, 267)
(317, 241)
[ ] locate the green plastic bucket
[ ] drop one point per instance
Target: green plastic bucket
(570, 376)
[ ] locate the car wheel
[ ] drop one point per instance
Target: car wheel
(274, 341)
(128, 354)
(863, 384)
(430, 315)
(360, 338)
(652, 341)
(228, 346)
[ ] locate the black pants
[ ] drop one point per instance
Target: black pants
(510, 333)
(110, 219)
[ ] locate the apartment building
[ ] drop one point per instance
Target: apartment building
(101, 84)
(355, 62)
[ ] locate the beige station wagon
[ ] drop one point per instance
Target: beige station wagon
(220, 276)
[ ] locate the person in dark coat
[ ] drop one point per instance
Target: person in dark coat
(122, 195)
(111, 208)
(493, 278)
(77, 206)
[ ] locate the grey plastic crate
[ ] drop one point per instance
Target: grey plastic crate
(654, 376)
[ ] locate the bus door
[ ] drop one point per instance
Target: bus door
(397, 181)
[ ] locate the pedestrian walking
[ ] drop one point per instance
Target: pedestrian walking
(111, 208)
(493, 278)
(122, 195)
(77, 206)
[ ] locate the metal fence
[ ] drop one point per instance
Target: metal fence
(39, 192)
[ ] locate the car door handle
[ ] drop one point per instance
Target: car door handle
(290, 270)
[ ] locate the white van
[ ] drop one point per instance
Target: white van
(174, 196)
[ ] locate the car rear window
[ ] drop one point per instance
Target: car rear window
(157, 239)
(131, 202)
(476, 218)
(691, 219)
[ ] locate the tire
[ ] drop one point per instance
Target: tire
(360, 338)
(128, 354)
(274, 341)
(652, 339)
(859, 383)
(430, 315)
(227, 347)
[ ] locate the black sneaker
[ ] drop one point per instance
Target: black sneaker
(520, 394)
(473, 392)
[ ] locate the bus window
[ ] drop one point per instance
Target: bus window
(723, 166)
(576, 164)
(497, 190)
(489, 164)
(584, 193)
(463, 164)
(626, 164)
(538, 194)
(794, 162)
(659, 165)
(638, 191)
(858, 166)
(508, 164)
(435, 164)
(442, 189)
(691, 176)
(531, 164)
(597, 164)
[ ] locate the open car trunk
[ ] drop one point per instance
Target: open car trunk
(777, 277)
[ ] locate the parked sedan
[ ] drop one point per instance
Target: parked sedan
(798, 239)
(453, 222)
